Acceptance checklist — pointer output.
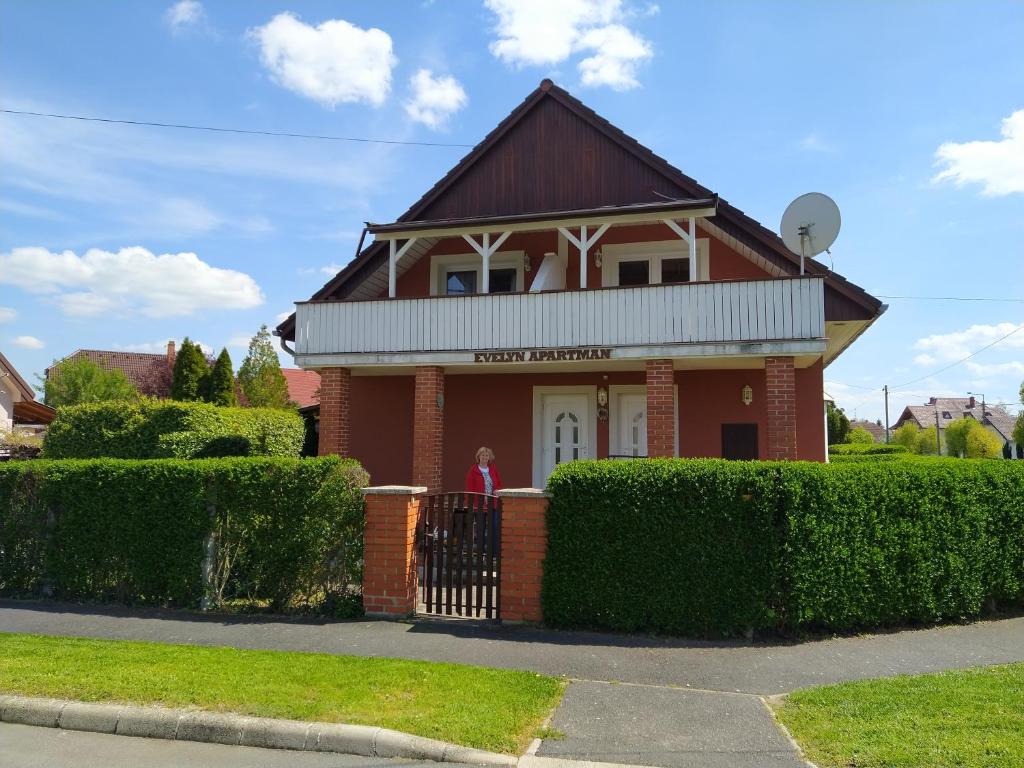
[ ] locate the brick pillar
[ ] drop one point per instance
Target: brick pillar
(661, 412)
(335, 386)
(524, 542)
(428, 428)
(780, 405)
(389, 557)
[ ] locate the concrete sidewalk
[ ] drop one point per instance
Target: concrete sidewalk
(682, 703)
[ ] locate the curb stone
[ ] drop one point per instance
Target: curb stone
(238, 730)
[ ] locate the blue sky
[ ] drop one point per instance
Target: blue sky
(910, 115)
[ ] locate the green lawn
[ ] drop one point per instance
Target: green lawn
(965, 719)
(480, 707)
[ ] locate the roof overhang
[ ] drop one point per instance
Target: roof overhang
(545, 220)
(32, 412)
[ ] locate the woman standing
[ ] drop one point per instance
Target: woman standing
(483, 476)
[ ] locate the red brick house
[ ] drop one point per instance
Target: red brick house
(564, 293)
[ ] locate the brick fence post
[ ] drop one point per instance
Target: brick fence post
(428, 427)
(780, 394)
(389, 557)
(524, 542)
(335, 386)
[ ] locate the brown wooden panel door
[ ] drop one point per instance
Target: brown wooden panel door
(739, 441)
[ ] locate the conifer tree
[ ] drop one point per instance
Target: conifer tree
(219, 385)
(260, 374)
(190, 369)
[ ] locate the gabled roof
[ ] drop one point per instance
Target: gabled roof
(950, 409)
(731, 220)
(149, 372)
(15, 378)
(877, 430)
(303, 386)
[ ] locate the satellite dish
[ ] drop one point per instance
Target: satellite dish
(810, 225)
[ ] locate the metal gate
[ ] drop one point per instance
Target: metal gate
(460, 555)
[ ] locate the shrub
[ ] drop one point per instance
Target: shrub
(711, 547)
(848, 449)
(168, 429)
(860, 436)
(286, 532)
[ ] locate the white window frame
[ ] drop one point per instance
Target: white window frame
(615, 390)
(653, 253)
(441, 265)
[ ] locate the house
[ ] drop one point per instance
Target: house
(150, 373)
(564, 293)
(943, 410)
(303, 387)
(877, 430)
(18, 407)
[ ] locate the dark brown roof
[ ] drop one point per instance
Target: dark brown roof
(730, 219)
(953, 408)
(31, 412)
(150, 373)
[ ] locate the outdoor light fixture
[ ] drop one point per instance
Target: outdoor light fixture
(748, 395)
(526, 262)
(598, 257)
(602, 403)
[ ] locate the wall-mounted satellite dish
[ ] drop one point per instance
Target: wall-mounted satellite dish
(810, 225)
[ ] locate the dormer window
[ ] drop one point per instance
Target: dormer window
(947, 415)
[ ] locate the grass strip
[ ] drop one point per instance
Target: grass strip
(967, 719)
(492, 709)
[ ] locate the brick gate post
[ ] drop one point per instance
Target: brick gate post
(524, 542)
(335, 387)
(661, 411)
(428, 427)
(389, 557)
(780, 394)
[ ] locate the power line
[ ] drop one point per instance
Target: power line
(952, 298)
(246, 131)
(1018, 329)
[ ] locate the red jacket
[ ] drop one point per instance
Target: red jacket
(475, 479)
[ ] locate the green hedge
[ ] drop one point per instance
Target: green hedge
(709, 547)
(283, 532)
(168, 429)
(860, 449)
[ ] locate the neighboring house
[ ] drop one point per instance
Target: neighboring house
(564, 293)
(150, 373)
(18, 407)
(877, 430)
(303, 387)
(943, 410)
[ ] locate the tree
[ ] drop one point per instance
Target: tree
(861, 436)
(219, 385)
(260, 375)
(907, 436)
(956, 435)
(927, 444)
(1018, 430)
(80, 380)
(838, 424)
(982, 443)
(190, 368)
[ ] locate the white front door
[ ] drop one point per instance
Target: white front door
(564, 432)
(629, 411)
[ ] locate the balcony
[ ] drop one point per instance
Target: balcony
(778, 316)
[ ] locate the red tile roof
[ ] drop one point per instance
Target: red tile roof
(150, 373)
(303, 386)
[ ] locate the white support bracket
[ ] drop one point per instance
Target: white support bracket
(394, 254)
(689, 237)
(584, 244)
(486, 250)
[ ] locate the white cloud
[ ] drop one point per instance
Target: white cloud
(333, 63)
(813, 142)
(434, 99)
(131, 280)
(997, 165)
(948, 347)
(239, 341)
(184, 14)
(995, 369)
(544, 33)
(282, 316)
(7, 314)
(28, 342)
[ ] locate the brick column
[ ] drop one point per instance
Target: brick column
(335, 386)
(661, 412)
(428, 428)
(524, 543)
(389, 557)
(780, 405)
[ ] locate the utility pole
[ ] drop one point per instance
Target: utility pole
(938, 443)
(886, 388)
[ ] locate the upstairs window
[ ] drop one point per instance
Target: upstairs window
(460, 282)
(634, 273)
(675, 270)
(652, 263)
(462, 274)
(502, 280)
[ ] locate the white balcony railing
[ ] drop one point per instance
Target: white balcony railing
(731, 311)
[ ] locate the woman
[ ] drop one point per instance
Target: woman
(483, 476)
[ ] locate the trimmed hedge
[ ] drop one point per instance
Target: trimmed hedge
(710, 547)
(152, 429)
(283, 532)
(861, 449)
